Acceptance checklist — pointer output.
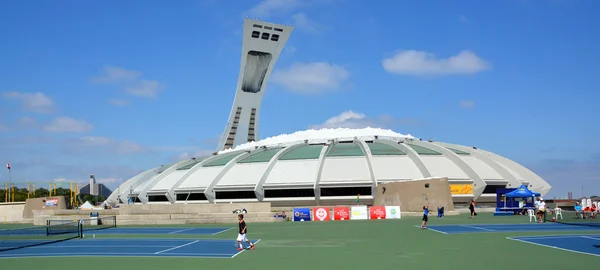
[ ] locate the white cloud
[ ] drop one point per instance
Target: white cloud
(467, 104)
(351, 119)
(67, 124)
(145, 88)
(33, 102)
(269, 8)
(311, 77)
(4, 128)
(301, 21)
(132, 82)
(113, 74)
(413, 62)
(119, 102)
(106, 144)
(462, 18)
(27, 122)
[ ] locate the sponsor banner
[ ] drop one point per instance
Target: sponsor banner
(341, 213)
(321, 213)
(301, 214)
(359, 212)
(377, 212)
(392, 212)
(52, 202)
(461, 188)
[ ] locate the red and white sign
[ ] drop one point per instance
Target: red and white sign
(377, 212)
(321, 213)
(341, 213)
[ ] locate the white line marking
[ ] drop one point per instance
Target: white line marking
(591, 238)
(559, 248)
(221, 231)
(240, 252)
(180, 246)
(549, 237)
(477, 228)
(117, 255)
(432, 229)
(184, 230)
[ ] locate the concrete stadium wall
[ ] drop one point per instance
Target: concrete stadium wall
(11, 212)
(409, 194)
(40, 203)
(148, 214)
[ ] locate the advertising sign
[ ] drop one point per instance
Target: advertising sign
(392, 212)
(461, 188)
(301, 214)
(359, 212)
(321, 213)
(377, 212)
(341, 213)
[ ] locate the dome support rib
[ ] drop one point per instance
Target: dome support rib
(365, 148)
(165, 173)
(478, 183)
(258, 189)
(209, 192)
(322, 156)
(513, 182)
(414, 157)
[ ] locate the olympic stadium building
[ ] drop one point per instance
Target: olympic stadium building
(313, 167)
(329, 166)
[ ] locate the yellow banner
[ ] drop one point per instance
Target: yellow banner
(461, 188)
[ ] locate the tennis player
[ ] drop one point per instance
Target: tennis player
(242, 233)
(425, 218)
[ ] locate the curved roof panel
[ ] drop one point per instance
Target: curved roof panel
(345, 150)
(303, 152)
(381, 149)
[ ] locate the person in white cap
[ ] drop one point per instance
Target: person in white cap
(541, 210)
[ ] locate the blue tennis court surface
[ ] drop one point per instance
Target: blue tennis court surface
(175, 231)
(196, 248)
(489, 228)
(584, 244)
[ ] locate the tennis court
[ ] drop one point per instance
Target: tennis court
(583, 244)
(491, 228)
(92, 247)
(168, 231)
(358, 244)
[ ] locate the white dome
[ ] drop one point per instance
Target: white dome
(308, 166)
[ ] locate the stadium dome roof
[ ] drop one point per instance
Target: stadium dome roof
(325, 164)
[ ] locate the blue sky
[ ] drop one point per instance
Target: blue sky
(112, 88)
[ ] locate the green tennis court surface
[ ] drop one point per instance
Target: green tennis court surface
(369, 244)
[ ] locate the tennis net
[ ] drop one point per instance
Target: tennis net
(90, 224)
(572, 217)
(41, 235)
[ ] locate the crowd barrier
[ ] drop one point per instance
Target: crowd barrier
(346, 213)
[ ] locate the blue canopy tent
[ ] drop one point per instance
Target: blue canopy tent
(520, 192)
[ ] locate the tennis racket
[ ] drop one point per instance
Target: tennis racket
(425, 197)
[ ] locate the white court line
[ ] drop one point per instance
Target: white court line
(240, 252)
(221, 231)
(184, 230)
(554, 236)
(173, 248)
(588, 237)
(113, 255)
(477, 228)
(559, 248)
(432, 229)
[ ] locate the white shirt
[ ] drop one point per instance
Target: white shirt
(542, 206)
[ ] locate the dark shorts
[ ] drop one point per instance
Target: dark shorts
(540, 212)
(425, 218)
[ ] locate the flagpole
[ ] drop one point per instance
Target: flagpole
(9, 182)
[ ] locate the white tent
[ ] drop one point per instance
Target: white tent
(86, 206)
